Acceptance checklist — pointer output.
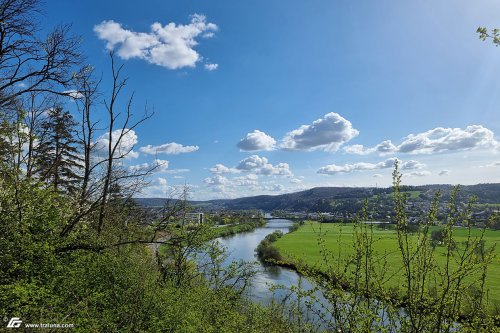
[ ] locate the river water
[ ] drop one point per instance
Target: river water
(242, 247)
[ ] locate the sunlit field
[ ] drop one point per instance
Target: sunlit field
(303, 245)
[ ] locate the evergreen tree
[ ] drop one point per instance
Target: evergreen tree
(57, 160)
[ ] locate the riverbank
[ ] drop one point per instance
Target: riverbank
(224, 231)
(214, 232)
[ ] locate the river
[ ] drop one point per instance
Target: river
(242, 247)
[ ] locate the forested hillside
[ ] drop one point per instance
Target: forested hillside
(320, 198)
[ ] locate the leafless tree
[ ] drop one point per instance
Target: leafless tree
(115, 152)
(29, 63)
(103, 169)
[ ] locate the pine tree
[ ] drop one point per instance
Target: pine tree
(57, 160)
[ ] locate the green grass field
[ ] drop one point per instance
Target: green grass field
(303, 245)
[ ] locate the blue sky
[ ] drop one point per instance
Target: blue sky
(268, 97)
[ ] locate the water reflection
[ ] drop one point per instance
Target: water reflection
(242, 247)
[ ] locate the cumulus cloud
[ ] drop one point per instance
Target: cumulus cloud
(216, 180)
(158, 188)
(333, 169)
(220, 169)
(171, 45)
(251, 169)
(385, 147)
(253, 162)
(422, 173)
(277, 188)
(412, 164)
(327, 133)
(222, 185)
(171, 148)
(256, 141)
(281, 169)
(260, 165)
(448, 139)
(158, 166)
(248, 180)
(211, 67)
(436, 140)
(125, 146)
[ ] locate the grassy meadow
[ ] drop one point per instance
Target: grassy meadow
(302, 245)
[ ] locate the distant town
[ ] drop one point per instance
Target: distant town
(344, 204)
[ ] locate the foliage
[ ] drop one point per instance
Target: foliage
(224, 231)
(57, 159)
(494, 35)
(438, 235)
(116, 288)
(295, 226)
(266, 251)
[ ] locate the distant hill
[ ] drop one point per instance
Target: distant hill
(320, 198)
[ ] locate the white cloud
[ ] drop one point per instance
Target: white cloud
(139, 167)
(436, 140)
(377, 175)
(358, 150)
(158, 166)
(251, 163)
(280, 169)
(260, 165)
(448, 139)
(327, 133)
(124, 148)
(444, 172)
(158, 188)
(73, 94)
(252, 167)
(174, 171)
(162, 181)
(295, 181)
(248, 180)
(277, 188)
(211, 67)
(384, 147)
(412, 164)
(333, 169)
(220, 169)
(216, 180)
(171, 148)
(423, 173)
(170, 46)
(256, 141)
